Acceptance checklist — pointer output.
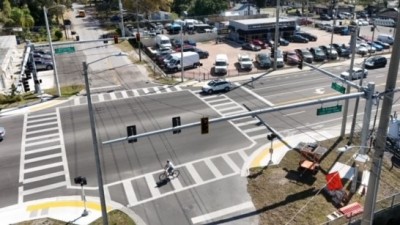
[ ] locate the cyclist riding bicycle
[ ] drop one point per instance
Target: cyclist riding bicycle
(169, 167)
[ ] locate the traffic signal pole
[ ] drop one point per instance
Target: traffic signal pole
(276, 40)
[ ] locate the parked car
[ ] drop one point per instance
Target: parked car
(378, 47)
(279, 58)
(318, 53)
(2, 133)
(298, 39)
(309, 36)
(304, 21)
(370, 49)
(361, 50)
(271, 43)
(325, 17)
(263, 60)
(383, 44)
(363, 22)
(330, 52)
(305, 54)
(356, 74)
(259, 43)
(291, 57)
(251, 47)
(202, 54)
(283, 42)
(216, 86)
(342, 50)
(43, 65)
(186, 48)
(375, 62)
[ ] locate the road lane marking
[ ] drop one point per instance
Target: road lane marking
(43, 177)
(209, 96)
(40, 131)
(234, 112)
(42, 115)
(176, 183)
(77, 101)
(43, 167)
(254, 122)
(101, 97)
(42, 149)
(243, 155)
(178, 88)
(260, 136)
(212, 167)
(217, 100)
(129, 192)
(41, 137)
(22, 158)
(151, 183)
(106, 87)
(230, 108)
(257, 161)
(112, 95)
(41, 120)
(255, 129)
(135, 93)
(44, 188)
(193, 172)
(36, 159)
(145, 90)
(222, 212)
(42, 142)
(124, 94)
(295, 113)
(41, 125)
(157, 90)
(167, 88)
(230, 162)
(224, 104)
(254, 94)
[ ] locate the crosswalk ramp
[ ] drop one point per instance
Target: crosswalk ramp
(142, 189)
(117, 95)
(226, 106)
(43, 165)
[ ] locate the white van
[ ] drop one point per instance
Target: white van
(163, 41)
(386, 38)
(221, 64)
(190, 60)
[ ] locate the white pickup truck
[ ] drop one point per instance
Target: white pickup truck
(245, 62)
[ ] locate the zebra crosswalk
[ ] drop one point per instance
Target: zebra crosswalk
(101, 97)
(142, 189)
(43, 166)
(226, 106)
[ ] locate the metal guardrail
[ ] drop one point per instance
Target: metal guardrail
(381, 206)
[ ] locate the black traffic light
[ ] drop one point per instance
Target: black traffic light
(372, 29)
(80, 180)
(176, 121)
(29, 65)
(28, 74)
(115, 39)
(271, 136)
(25, 84)
(131, 131)
(204, 125)
(300, 65)
(137, 37)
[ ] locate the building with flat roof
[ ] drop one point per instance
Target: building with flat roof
(262, 28)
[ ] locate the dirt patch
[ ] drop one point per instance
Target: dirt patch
(282, 195)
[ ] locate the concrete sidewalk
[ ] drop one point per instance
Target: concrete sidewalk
(68, 209)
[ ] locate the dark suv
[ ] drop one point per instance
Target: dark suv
(375, 62)
(342, 50)
(305, 54)
(309, 36)
(318, 53)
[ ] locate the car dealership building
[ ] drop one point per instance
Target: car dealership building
(263, 28)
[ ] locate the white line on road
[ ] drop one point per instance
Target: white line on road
(41, 115)
(167, 89)
(243, 155)
(77, 101)
(124, 94)
(222, 212)
(129, 192)
(106, 87)
(44, 188)
(254, 94)
(230, 162)
(135, 93)
(42, 149)
(41, 131)
(178, 88)
(295, 113)
(254, 122)
(145, 90)
(36, 159)
(47, 166)
(212, 167)
(230, 108)
(254, 129)
(260, 136)
(157, 90)
(64, 154)
(42, 137)
(41, 125)
(41, 120)
(193, 172)
(152, 185)
(101, 97)
(43, 177)
(42, 142)
(210, 96)
(113, 96)
(176, 184)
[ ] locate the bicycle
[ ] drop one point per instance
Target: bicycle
(175, 173)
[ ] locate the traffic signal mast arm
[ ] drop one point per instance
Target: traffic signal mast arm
(240, 115)
(336, 77)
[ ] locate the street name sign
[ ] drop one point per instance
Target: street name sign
(329, 110)
(338, 87)
(70, 49)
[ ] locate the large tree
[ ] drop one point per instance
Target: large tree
(208, 7)
(178, 6)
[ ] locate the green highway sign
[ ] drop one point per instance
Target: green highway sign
(70, 49)
(329, 110)
(338, 87)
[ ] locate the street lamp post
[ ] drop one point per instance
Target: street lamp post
(137, 30)
(52, 51)
(122, 18)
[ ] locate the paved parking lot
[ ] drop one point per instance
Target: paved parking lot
(233, 49)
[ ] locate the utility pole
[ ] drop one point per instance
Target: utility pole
(353, 54)
(122, 18)
(95, 146)
(276, 41)
(353, 123)
(137, 31)
(380, 144)
(334, 13)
